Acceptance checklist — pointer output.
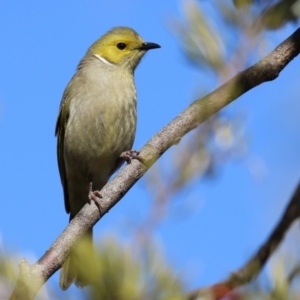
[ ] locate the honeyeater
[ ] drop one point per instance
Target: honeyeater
(95, 125)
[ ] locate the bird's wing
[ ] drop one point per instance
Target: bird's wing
(60, 130)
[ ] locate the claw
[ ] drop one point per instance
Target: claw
(95, 196)
(129, 155)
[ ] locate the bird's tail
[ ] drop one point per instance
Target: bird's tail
(79, 264)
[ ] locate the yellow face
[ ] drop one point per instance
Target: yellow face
(119, 46)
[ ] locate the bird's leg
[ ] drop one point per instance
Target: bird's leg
(131, 154)
(94, 196)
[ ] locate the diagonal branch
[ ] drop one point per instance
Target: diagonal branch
(33, 276)
(253, 267)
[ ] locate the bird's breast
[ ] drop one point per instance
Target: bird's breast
(102, 122)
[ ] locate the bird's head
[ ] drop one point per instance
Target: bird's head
(122, 47)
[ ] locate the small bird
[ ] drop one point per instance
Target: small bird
(95, 125)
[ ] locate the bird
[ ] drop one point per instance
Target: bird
(96, 125)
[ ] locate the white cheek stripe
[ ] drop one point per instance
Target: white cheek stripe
(103, 60)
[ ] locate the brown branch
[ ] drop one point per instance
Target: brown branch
(199, 111)
(253, 267)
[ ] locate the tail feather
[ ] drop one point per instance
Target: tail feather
(78, 265)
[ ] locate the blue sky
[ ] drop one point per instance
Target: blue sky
(42, 42)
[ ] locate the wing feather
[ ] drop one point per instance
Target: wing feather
(60, 130)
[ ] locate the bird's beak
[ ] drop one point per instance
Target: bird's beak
(147, 46)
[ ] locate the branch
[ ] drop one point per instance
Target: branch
(199, 111)
(253, 267)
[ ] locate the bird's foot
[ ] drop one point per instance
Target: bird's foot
(95, 196)
(131, 154)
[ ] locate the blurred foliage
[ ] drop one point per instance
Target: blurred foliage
(131, 272)
(8, 274)
(128, 272)
(220, 139)
(215, 33)
(220, 38)
(279, 13)
(272, 14)
(120, 272)
(276, 285)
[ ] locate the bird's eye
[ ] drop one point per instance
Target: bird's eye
(121, 46)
